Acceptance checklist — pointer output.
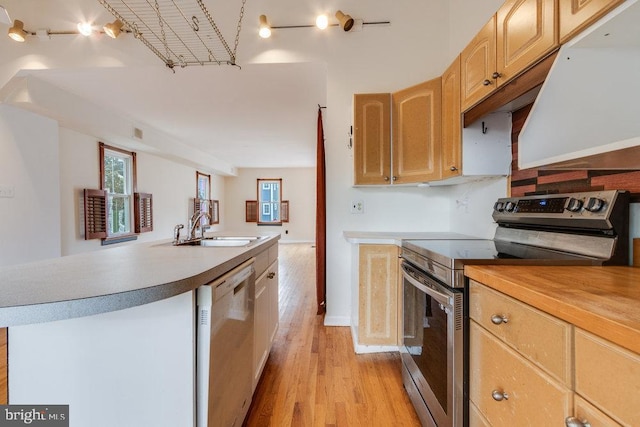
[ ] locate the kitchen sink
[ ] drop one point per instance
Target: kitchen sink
(223, 241)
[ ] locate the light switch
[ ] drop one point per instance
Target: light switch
(7, 192)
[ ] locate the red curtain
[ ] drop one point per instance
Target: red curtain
(321, 220)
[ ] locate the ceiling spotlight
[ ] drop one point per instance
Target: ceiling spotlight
(17, 32)
(322, 22)
(265, 28)
(112, 29)
(346, 21)
(85, 28)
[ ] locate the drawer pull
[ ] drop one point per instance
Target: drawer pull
(496, 319)
(271, 275)
(499, 396)
(575, 422)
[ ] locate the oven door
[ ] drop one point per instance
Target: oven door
(432, 350)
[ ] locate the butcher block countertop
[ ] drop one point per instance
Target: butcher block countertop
(602, 300)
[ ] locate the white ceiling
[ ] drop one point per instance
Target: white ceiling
(262, 115)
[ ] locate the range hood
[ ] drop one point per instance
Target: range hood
(587, 115)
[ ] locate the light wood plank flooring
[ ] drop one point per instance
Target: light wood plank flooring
(312, 376)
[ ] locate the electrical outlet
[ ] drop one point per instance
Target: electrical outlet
(357, 207)
(7, 192)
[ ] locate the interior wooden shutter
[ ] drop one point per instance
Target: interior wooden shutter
(251, 211)
(143, 207)
(284, 211)
(95, 214)
(214, 211)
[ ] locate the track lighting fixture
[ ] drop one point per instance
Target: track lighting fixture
(322, 22)
(346, 21)
(113, 29)
(17, 32)
(265, 29)
(85, 28)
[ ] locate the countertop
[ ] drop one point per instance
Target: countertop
(396, 237)
(602, 300)
(112, 279)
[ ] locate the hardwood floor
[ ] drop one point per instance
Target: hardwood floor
(312, 376)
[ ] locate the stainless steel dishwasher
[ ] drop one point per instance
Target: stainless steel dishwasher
(224, 348)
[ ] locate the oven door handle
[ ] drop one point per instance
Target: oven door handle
(438, 296)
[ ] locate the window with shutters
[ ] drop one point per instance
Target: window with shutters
(203, 202)
(116, 212)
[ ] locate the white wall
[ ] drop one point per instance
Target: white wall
(30, 220)
(172, 184)
(298, 186)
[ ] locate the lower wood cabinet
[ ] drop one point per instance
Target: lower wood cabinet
(528, 368)
(378, 294)
(266, 318)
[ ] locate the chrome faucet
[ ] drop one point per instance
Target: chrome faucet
(193, 223)
(176, 233)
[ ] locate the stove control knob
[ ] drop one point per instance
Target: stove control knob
(509, 207)
(594, 204)
(499, 206)
(574, 205)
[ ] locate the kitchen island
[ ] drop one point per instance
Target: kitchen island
(112, 333)
(566, 339)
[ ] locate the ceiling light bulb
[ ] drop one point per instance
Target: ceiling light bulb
(322, 22)
(85, 28)
(265, 29)
(17, 32)
(112, 29)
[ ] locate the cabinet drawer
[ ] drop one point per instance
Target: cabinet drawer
(608, 376)
(541, 338)
(533, 397)
(585, 411)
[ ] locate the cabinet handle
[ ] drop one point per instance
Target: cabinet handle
(486, 82)
(386, 178)
(271, 275)
(496, 75)
(453, 168)
(497, 319)
(499, 396)
(575, 422)
(394, 178)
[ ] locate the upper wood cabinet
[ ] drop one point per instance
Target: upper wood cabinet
(575, 15)
(478, 63)
(417, 120)
(372, 138)
(519, 34)
(451, 122)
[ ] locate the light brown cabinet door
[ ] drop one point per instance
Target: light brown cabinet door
(417, 121)
(510, 391)
(478, 63)
(372, 138)
(526, 32)
(576, 15)
(377, 299)
(608, 376)
(451, 122)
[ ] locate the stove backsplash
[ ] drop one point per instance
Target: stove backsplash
(539, 181)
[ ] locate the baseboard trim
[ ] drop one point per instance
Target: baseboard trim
(337, 321)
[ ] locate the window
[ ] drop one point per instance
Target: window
(116, 211)
(269, 198)
(117, 178)
(203, 202)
